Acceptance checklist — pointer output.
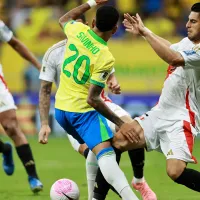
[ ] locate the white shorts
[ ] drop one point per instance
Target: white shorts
(120, 112)
(175, 139)
(6, 101)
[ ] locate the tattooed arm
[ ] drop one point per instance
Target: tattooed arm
(44, 105)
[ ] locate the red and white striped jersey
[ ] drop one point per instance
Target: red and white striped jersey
(180, 97)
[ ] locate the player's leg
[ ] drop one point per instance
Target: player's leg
(8, 163)
(93, 129)
(101, 185)
(10, 124)
(179, 152)
(137, 161)
(137, 158)
(106, 155)
(91, 173)
(81, 148)
(177, 171)
(120, 142)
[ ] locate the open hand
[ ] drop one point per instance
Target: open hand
(129, 131)
(113, 84)
(134, 24)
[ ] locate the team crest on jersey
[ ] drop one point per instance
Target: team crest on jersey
(104, 75)
(190, 52)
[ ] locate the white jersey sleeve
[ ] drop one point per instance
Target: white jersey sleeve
(174, 46)
(48, 71)
(5, 33)
(191, 57)
(113, 70)
(52, 62)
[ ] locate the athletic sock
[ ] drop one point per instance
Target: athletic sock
(190, 178)
(138, 180)
(25, 154)
(102, 186)
(91, 172)
(4, 147)
(137, 157)
(113, 174)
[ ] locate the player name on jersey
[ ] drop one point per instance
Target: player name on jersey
(88, 43)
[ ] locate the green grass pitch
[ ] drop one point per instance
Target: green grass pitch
(58, 160)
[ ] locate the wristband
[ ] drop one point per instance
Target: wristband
(91, 3)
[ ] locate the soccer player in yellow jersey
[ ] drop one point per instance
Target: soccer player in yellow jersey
(79, 108)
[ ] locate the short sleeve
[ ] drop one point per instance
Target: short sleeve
(101, 73)
(192, 57)
(72, 28)
(48, 71)
(5, 33)
(174, 46)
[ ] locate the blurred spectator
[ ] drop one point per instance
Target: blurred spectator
(151, 6)
(32, 84)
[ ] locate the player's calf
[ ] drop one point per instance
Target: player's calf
(175, 168)
(177, 171)
(10, 124)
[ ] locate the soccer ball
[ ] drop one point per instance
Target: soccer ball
(64, 189)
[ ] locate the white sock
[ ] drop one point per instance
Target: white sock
(127, 193)
(138, 180)
(91, 172)
(75, 144)
(115, 177)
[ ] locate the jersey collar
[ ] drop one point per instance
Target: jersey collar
(97, 38)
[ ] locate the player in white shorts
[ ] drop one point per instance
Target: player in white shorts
(50, 72)
(8, 118)
(174, 122)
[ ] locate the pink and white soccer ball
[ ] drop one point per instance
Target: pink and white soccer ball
(64, 189)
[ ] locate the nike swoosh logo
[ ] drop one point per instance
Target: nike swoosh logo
(67, 196)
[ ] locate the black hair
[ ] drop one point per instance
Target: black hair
(106, 18)
(196, 7)
(83, 18)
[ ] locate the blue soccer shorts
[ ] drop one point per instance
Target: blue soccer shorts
(90, 127)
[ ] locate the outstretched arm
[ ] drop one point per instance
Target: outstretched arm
(24, 51)
(97, 103)
(78, 11)
(161, 48)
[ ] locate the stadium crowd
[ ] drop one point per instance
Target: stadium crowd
(164, 17)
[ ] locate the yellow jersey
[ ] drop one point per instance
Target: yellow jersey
(87, 61)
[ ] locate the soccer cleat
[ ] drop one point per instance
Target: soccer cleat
(8, 163)
(145, 191)
(35, 184)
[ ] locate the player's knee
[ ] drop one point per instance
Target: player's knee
(175, 169)
(119, 142)
(10, 126)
